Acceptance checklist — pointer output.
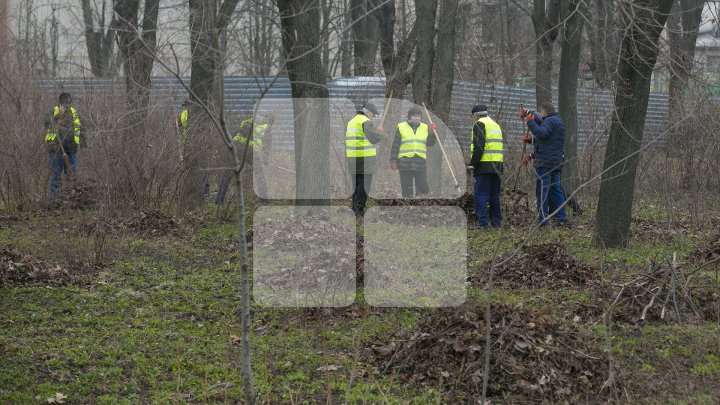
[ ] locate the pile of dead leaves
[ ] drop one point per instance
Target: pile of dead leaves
(540, 266)
(79, 193)
(153, 223)
(534, 359)
(21, 269)
(516, 209)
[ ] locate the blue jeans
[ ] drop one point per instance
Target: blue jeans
(57, 168)
(548, 193)
(487, 192)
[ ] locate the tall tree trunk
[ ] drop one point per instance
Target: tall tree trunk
(203, 48)
(387, 37)
(366, 35)
(683, 24)
(573, 16)
(443, 76)
(207, 20)
(603, 43)
(400, 72)
(545, 23)
(300, 22)
(100, 43)
(425, 51)
(345, 42)
(4, 27)
(325, 35)
(137, 47)
(638, 55)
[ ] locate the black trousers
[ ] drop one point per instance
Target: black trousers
(406, 183)
(361, 184)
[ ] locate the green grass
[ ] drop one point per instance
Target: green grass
(156, 324)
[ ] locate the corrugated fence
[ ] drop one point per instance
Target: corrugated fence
(241, 94)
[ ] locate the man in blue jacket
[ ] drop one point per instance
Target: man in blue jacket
(548, 137)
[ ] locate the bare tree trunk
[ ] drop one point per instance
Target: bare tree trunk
(325, 34)
(573, 15)
(603, 43)
(387, 38)
(425, 51)
(400, 77)
(395, 65)
(683, 24)
(366, 35)
(4, 26)
(208, 19)
(638, 55)
(443, 76)
(300, 22)
(100, 43)
(246, 362)
(346, 43)
(545, 23)
(444, 69)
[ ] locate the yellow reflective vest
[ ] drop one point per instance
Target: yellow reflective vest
(256, 140)
(356, 143)
(51, 134)
(183, 123)
(493, 148)
(413, 143)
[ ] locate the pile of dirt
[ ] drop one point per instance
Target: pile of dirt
(153, 223)
(18, 269)
(79, 194)
(540, 266)
(534, 359)
(658, 293)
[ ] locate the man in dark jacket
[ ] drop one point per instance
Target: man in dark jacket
(409, 153)
(361, 139)
(548, 137)
(63, 136)
(486, 161)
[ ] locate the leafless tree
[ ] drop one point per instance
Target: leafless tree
(99, 39)
(573, 16)
(546, 22)
(300, 22)
(434, 68)
(644, 22)
(603, 41)
(682, 28)
(366, 15)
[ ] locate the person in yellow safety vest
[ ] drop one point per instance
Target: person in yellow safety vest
(63, 137)
(257, 134)
(409, 153)
(361, 139)
(486, 161)
(182, 121)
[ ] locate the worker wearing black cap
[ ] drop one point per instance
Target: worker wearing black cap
(361, 139)
(486, 161)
